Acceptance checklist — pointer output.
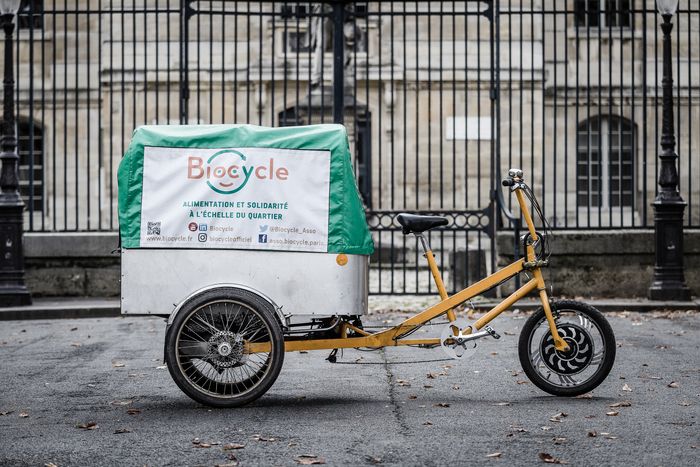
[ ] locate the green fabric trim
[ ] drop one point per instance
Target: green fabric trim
(347, 226)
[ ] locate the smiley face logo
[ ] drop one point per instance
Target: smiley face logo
(227, 172)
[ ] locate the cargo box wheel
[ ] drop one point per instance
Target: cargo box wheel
(225, 347)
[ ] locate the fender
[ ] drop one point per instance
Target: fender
(278, 309)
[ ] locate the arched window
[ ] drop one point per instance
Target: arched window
(605, 162)
(30, 147)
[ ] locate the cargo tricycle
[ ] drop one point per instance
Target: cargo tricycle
(253, 242)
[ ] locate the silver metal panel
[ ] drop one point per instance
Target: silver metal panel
(156, 281)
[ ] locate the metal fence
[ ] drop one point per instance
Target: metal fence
(439, 99)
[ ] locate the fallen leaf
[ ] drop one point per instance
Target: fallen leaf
(559, 440)
(518, 429)
(587, 395)
(309, 459)
(592, 434)
(374, 460)
(203, 445)
(672, 384)
(626, 388)
(430, 376)
(119, 431)
(196, 441)
(161, 367)
(133, 411)
(441, 404)
(232, 446)
(117, 365)
(455, 387)
(508, 333)
(520, 381)
(502, 404)
(122, 402)
(88, 426)
(427, 422)
(557, 418)
(23, 415)
(546, 428)
(6, 413)
(50, 464)
(550, 459)
(263, 438)
(427, 386)
(494, 454)
(611, 437)
(230, 464)
(291, 444)
(412, 396)
(620, 404)
(403, 382)
(76, 344)
(613, 413)
(685, 404)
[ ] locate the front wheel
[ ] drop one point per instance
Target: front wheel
(225, 347)
(590, 356)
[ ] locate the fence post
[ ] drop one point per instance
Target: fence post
(13, 291)
(338, 62)
(185, 13)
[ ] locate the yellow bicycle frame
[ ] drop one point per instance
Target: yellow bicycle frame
(393, 336)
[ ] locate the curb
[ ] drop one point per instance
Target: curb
(62, 309)
(607, 306)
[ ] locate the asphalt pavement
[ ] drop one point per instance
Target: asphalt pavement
(95, 392)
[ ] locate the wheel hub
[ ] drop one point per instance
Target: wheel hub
(571, 361)
(225, 349)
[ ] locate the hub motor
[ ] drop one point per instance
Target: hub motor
(574, 360)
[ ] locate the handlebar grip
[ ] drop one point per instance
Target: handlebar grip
(507, 182)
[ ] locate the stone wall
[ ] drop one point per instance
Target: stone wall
(72, 264)
(600, 264)
(617, 263)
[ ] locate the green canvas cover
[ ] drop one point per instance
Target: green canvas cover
(347, 227)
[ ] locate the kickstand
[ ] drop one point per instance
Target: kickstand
(332, 356)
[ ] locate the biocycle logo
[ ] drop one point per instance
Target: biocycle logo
(228, 171)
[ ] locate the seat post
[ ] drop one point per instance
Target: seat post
(435, 271)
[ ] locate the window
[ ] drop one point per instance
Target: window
(605, 162)
(603, 13)
(30, 14)
(30, 147)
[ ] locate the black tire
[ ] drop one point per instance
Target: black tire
(581, 369)
(204, 347)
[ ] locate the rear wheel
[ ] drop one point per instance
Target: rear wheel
(208, 347)
(590, 356)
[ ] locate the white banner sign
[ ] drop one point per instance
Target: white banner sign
(250, 198)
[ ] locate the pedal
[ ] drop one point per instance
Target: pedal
(493, 333)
